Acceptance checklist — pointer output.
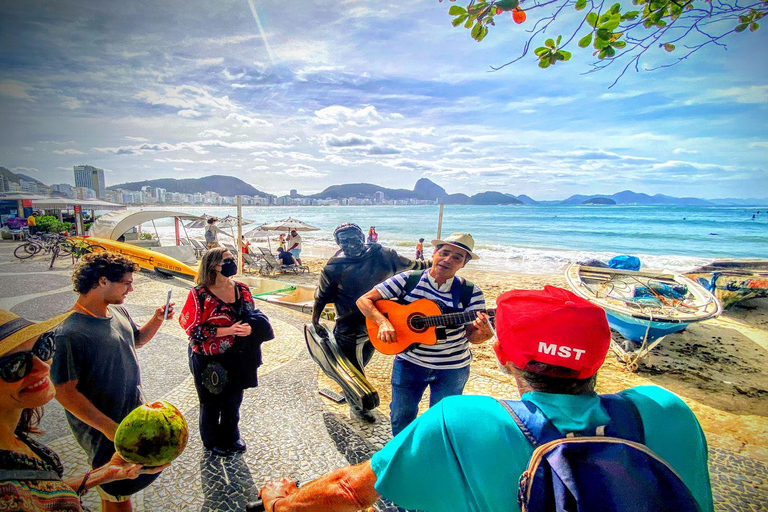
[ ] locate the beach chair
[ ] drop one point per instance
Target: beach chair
(271, 261)
(229, 247)
(250, 264)
(199, 247)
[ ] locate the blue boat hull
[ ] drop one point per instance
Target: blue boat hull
(634, 329)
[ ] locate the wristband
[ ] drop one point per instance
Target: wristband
(82, 490)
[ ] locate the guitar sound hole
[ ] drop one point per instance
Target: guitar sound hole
(416, 322)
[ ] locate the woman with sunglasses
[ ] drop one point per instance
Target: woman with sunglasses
(213, 318)
(30, 472)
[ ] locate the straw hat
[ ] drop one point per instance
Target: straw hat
(15, 330)
(460, 240)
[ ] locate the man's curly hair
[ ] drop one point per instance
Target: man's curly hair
(94, 266)
(347, 226)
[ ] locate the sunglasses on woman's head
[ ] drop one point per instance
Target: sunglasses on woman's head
(15, 367)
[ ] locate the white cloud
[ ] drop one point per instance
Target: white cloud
(683, 151)
(27, 148)
(67, 152)
(71, 103)
(186, 97)
(136, 139)
(301, 171)
(24, 169)
(248, 121)
(15, 89)
(348, 140)
(339, 115)
(214, 133)
(188, 113)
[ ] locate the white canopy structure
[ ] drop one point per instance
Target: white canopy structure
(64, 203)
(114, 224)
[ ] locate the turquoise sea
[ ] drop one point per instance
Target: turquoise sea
(537, 239)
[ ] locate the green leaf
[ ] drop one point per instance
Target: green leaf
(469, 22)
(565, 55)
(483, 33)
(549, 43)
(458, 20)
(601, 44)
(630, 15)
(544, 63)
(615, 8)
(541, 50)
(754, 26)
(609, 51)
(604, 34)
(612, 23)
(742, 27)
(586, 40)
(476, 30)
(619, 44)
(456, 9)
(592, 19)
(669, 47)
(580, 4)
(559, 38)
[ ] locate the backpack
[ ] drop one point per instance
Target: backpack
(610, 469)
(210, 236)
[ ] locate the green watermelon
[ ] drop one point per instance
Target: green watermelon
(152, 434)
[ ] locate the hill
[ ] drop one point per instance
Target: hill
(629, 197)
(7, 174)
(493, 198)
(599, 200)
(222, 185)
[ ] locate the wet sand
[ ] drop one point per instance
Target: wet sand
(719, 367)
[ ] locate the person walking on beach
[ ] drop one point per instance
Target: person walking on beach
(465, 453)
(352, 271)
(225, 334)
(212, 232)
(95, 368)
(443, 367)
(293, 244)
(33, 475)
(373, 236)
(420, 249)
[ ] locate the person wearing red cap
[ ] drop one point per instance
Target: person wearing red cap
(467, 453)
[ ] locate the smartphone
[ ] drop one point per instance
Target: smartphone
(167, 304)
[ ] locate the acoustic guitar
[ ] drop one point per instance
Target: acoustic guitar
(415, 323)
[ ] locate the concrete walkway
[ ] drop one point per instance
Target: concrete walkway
(290, 429)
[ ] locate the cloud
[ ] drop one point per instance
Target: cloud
(682, 151)
(248, 121)
(188, 113)
(339, 116)
(345, 141)
(27, 148)
(138, 149)
(384, 150)
(214, 133)
(458, 139)
(14, 89)
(186, 97)
(24, 169)
(67, 152)
(71, 102)
(751, 95)
(136, 139)
(185, 161)
(301, 171)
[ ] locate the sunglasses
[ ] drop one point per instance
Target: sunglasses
(16, 366)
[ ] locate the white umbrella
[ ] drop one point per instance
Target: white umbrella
(288, 224)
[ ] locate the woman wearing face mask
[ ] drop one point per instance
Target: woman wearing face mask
(30, 472)
(213, 318)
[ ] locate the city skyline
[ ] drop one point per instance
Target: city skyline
(345, 92)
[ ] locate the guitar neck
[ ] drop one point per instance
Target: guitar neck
(466, 317)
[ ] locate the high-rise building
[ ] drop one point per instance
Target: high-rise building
(91, 177)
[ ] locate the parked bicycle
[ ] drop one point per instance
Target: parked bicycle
(43, 243)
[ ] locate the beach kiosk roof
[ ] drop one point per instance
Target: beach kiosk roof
(114, 224)
(65, 203)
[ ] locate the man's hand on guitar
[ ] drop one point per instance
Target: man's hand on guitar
(480, 330)
(387, 332)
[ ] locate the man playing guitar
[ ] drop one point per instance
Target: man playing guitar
(444, 367)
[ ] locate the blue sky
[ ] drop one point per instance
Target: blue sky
(384, 92)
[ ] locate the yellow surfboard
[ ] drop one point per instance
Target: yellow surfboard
(147, 259)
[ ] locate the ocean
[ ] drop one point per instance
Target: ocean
(534, 239)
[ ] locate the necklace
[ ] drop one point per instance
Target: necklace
(78, 305)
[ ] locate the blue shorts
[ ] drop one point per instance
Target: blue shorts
(295, 253)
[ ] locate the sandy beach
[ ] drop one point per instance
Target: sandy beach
(718, 367)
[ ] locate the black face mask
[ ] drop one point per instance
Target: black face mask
(228, 268)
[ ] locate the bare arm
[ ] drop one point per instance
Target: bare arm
(116, 469)
(367, 307)
(346, 489)
(82, 408)
(479, 330)
(149, 329)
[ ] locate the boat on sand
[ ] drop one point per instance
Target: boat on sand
(298, 297)
(733, 281)
(643, 306)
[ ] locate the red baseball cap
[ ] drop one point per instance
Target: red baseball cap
(552, 326)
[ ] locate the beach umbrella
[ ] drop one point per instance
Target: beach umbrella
(288, 224)
(201, 223)
(230, 221)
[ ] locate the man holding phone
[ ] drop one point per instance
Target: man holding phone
(95, 368)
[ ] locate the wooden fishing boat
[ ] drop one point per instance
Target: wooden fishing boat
(643, 306)
(298, 297)
(733, 281)
(148, 259)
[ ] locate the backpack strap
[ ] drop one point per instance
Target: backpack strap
(466, 293)
(412, 281)
(626, 422)
(537, 428)
(27, 474)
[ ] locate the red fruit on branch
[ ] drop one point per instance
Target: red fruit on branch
(499, 10)
(518, 15)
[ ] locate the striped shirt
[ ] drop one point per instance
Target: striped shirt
(452, 352)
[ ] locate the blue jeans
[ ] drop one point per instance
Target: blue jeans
(409, 381)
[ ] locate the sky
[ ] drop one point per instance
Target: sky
(300, 94)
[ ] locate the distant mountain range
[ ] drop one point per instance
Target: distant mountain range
(222, 185)
(424, 189)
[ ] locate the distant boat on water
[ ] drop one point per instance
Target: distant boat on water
(733, 281)
(643, 306)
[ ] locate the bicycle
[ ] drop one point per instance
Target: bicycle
(75, 248)
(36, 244)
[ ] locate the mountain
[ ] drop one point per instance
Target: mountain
(493, 198)
(429, 188)
(456, 199)
(740, 202)
(7, 174)
(222, 185)
(366, 190)
(526, 200)
(29, 178)
(629, 197)
(599, 200)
